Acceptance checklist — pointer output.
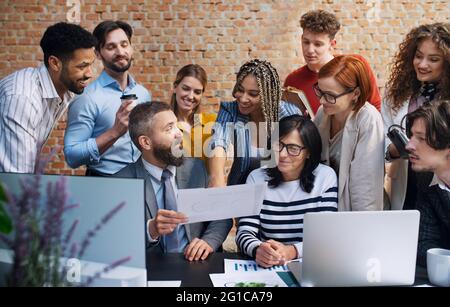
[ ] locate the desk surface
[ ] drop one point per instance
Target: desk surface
(196, 274)
(173, 266)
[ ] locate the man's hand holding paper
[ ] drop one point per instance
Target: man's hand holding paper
(201, 205)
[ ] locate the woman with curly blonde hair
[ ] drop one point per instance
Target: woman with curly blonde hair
(420, 74)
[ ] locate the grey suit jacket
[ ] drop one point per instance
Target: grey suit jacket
(191, 174)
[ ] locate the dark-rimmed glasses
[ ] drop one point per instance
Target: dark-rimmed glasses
(292, 149)
(330, 98)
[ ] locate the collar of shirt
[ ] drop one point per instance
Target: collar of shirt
(156, 171)
(439, 182)
(50, 92)
(106, 80)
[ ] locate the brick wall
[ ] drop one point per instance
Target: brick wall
(219, 35)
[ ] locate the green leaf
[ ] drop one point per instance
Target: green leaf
(5, 221)
(3, 197)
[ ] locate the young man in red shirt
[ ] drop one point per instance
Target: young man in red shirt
(318, 41)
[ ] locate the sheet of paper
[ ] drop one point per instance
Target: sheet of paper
(164, 283)
(212, 204)
(247, 279)
(244, 266)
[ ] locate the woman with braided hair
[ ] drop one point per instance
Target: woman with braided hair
(245, 121)
(420, 75)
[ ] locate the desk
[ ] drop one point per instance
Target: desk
(173, 266)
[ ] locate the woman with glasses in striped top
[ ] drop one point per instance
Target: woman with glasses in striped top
(298, 184)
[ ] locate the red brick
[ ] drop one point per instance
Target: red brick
(219, 35)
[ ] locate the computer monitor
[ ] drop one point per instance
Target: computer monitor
(122, 236)
(372, 248)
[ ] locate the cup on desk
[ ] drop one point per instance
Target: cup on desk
(438, 266)
(127, 97)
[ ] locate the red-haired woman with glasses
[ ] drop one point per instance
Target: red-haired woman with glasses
(352, 133)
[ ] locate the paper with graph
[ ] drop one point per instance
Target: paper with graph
(201, 205)
(235, 266)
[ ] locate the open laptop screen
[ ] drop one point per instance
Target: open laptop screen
(372, 248)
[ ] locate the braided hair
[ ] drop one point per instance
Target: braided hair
(269, 87)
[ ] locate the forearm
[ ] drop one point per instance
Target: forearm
(248, 243)
(216, 166)
(217, 232)
(107, 139)
(152, 231)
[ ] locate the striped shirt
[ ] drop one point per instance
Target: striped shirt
(230, 120)
(283, 208)
(29, 109)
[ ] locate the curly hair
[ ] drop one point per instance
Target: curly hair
(402, 83)
(269, 86)
(190, 70)
(62, 39)
(320, 21)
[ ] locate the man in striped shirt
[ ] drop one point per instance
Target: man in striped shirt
(33, 99)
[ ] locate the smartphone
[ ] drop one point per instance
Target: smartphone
(129, 97)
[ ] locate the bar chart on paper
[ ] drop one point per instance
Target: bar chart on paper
(234, 265)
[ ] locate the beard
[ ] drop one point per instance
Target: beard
(71, 85)
(169, 155)
(116, 68)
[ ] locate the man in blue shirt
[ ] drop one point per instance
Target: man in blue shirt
(97, 126)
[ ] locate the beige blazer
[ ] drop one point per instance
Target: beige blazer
(396, 171)
(362, 158)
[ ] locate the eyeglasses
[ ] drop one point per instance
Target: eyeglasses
(330, 98)
(292, 149)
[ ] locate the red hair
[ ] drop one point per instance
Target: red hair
(350, 72)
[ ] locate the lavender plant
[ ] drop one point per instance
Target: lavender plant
(39, 242)
(5, 220)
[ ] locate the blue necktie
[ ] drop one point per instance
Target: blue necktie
(170, 203)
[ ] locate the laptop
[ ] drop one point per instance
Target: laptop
(122, 236)
(371, 248)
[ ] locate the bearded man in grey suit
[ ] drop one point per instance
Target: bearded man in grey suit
(153, 129)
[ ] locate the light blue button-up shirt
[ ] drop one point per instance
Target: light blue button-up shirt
(155, 176)
(93, 113)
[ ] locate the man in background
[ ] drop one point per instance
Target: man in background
(153, 129)
(97, 125)
(33, 99)
(318, 41)
(429, 151)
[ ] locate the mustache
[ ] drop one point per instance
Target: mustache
(118, 58)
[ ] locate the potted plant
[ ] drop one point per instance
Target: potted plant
(37, 240)
(5, 220)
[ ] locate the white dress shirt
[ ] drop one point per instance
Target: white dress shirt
(29, 109)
